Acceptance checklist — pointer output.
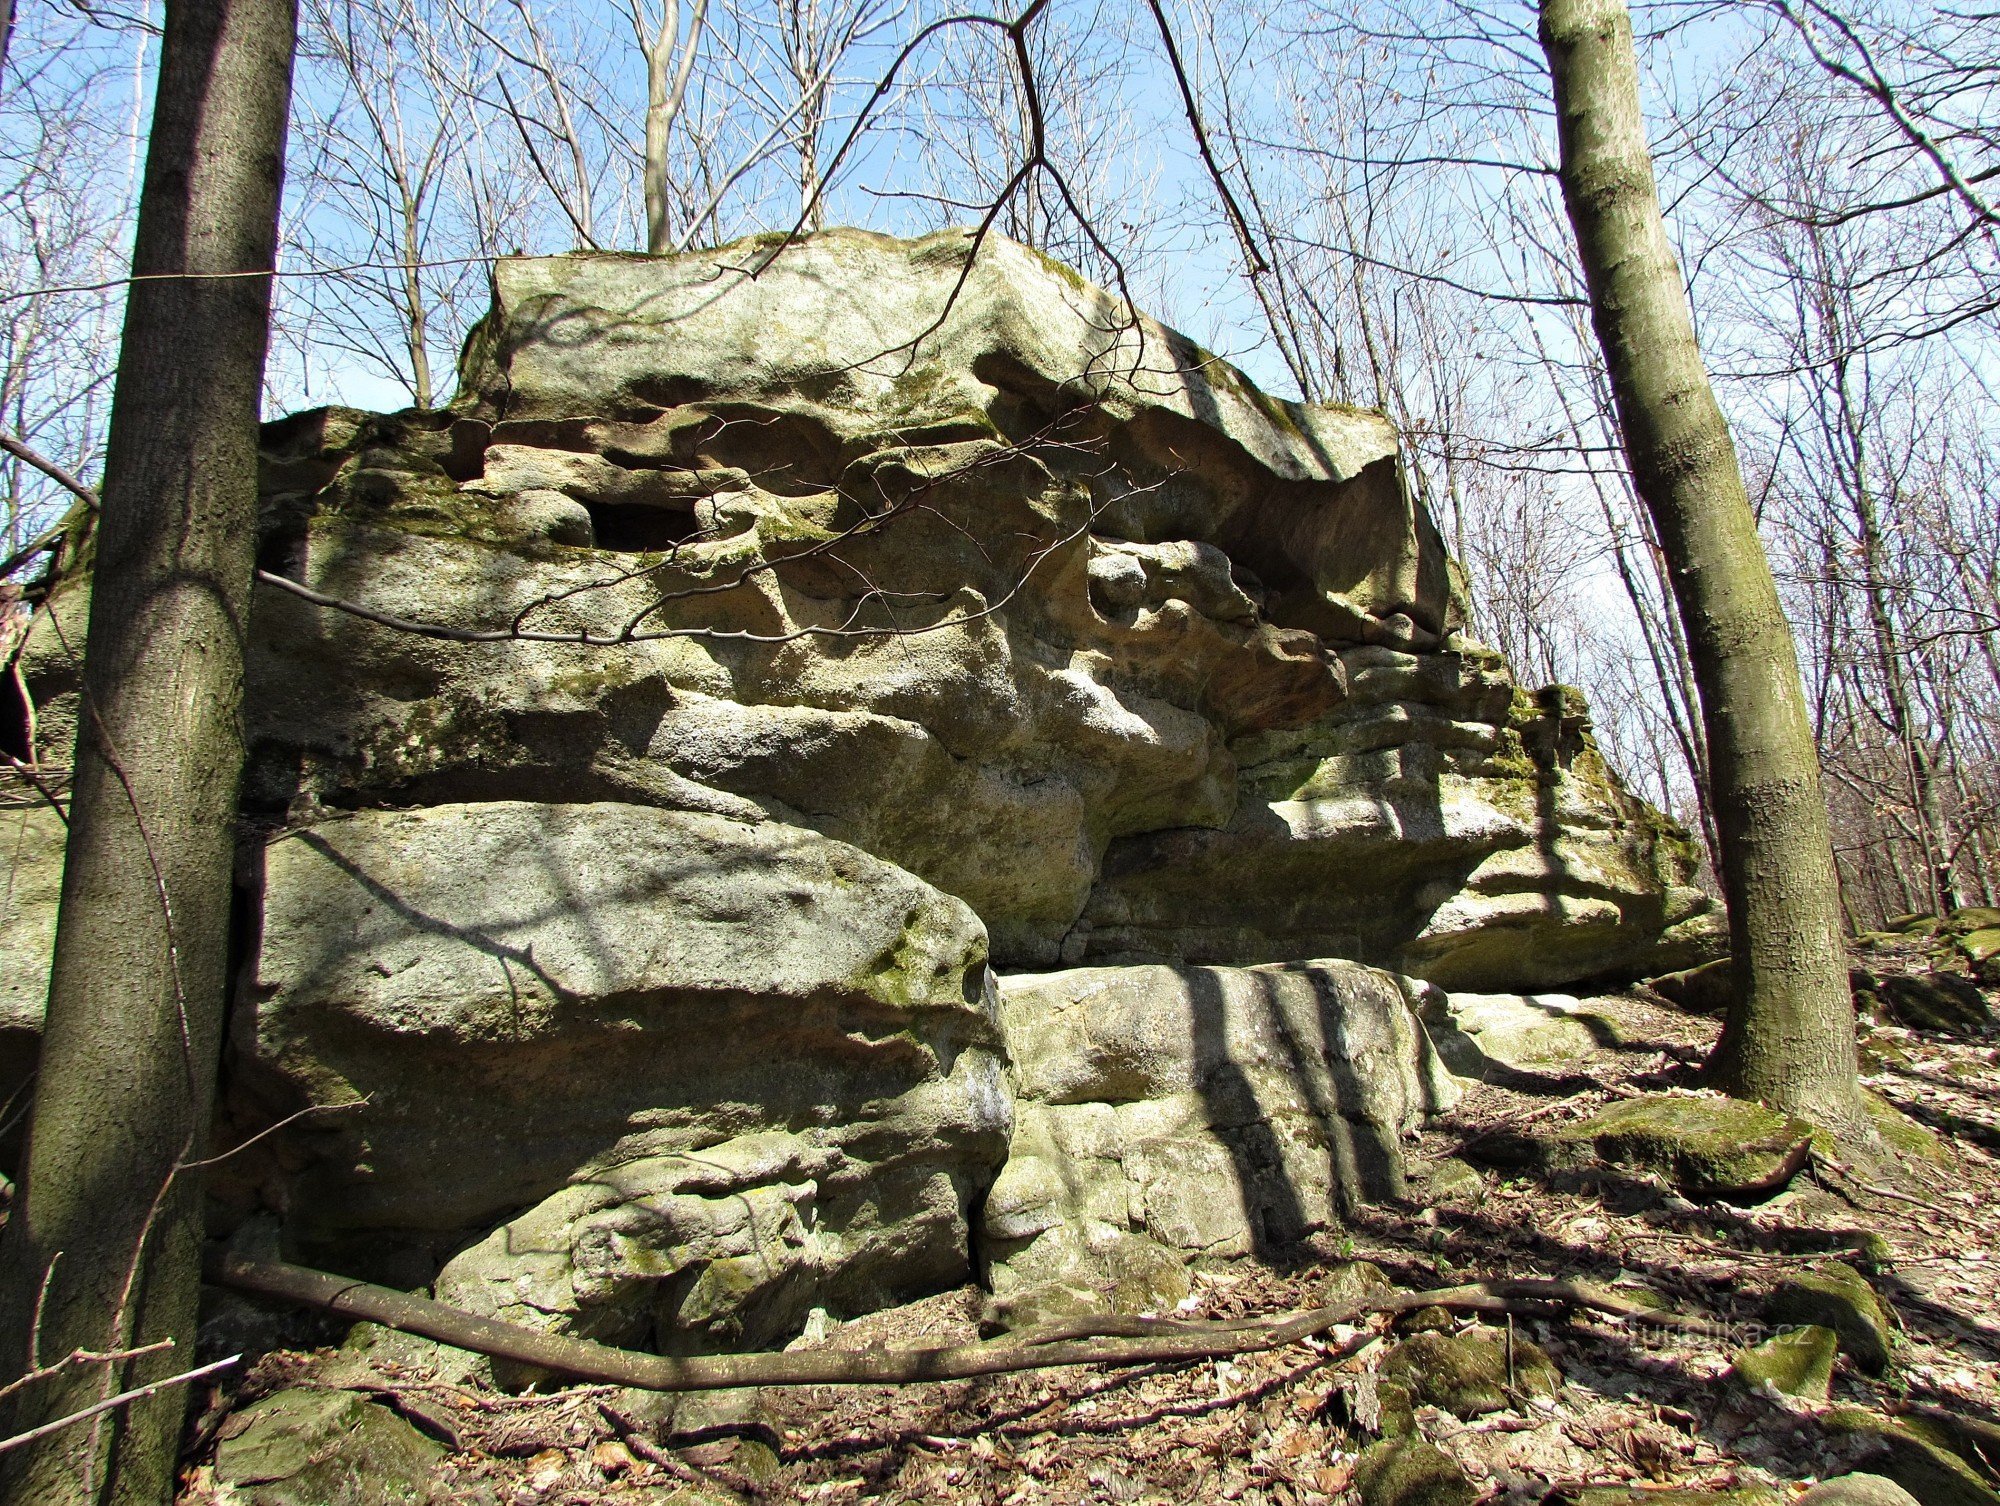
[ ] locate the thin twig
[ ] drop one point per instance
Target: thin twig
(137, 1393)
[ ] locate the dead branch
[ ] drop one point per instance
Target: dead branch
(1088, 1341)
(110, 1403)
(30, 456)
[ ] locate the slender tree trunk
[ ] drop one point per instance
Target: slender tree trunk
(1789, 1039)
(109, 1222)
(416, 318)
(669, 63)
(660, 104)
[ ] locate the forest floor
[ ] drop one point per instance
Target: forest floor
(1640, 1407)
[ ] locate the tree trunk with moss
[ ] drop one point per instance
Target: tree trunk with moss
(108, 1228)
(1789, 1038)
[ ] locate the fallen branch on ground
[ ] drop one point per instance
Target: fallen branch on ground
(1084, 1341)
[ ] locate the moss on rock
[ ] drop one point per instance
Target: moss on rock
(1838, 1297)
(1410, 1472)
(1981, 949)
(1899, 1131)
(1472, 1373)
(324, 1448)
(1706, 1144)
(1797, 1362)
(1942, 1002)
(1934, 1475)
(1350, 1281)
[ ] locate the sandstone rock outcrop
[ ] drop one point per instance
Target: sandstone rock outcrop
(1177, 672)
(31, 837)
(763, 635)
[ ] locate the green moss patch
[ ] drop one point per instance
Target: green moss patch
(1838, 1297)
(1797, 1362)
(1705, 1144)
(1934, 1475)
(1410, 1472)
(324, 1448)
(1471, 1374)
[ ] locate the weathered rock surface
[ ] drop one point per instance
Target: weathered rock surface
(1795, 1362)
(1410, 1472)
(1489, 1036)
(1469, 1374)
(1439, 822)
(31, 839)
(1857, 1490)
(1167, 1113)
(1908, 1453)
(1703, 1143)
(1931, 1001)
(733, 1071)
(1180, 674)
(778, 641)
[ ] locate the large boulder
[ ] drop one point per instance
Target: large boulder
(760, 632)
(1166, 1114)
(731, 1070)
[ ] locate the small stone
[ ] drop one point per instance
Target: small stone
(1704, 990)
(1446, 1178)
(1472, 1373)
(1432, 1319)
(1838, 1297)
(1409, 1472)
(1703, 1144)
(1857, 1490)
(613, 1458)
(324, 1448)
(1350, 1281)
(1798, 1362)
(1934, 1475)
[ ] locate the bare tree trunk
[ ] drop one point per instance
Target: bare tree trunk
(108, 1230)
(806, 36)
(1789, 1039)
(669, 63)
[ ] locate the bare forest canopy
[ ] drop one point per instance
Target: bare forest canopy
(1365, 210)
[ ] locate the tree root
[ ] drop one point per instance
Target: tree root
(1085, 1341)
